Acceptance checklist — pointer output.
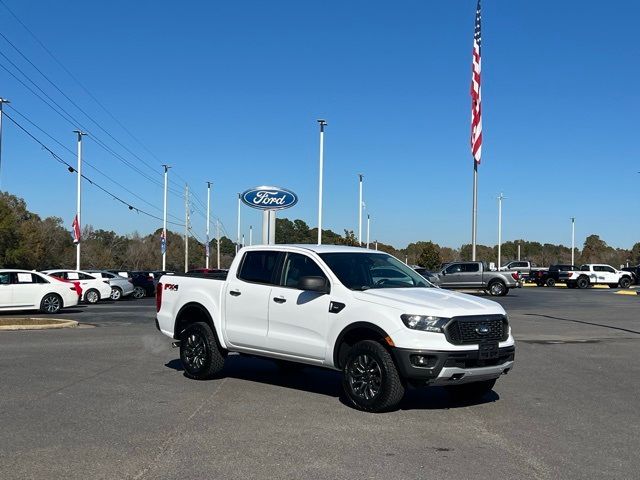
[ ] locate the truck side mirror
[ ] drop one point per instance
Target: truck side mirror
(313, 284)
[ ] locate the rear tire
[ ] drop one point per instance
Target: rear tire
(497, 289)
(92, 296)
(625, 282)
(370, 378)
(138, 292)
(471, 391)
(582, 282)
(51, 303)
(200, 353)
(551, 282)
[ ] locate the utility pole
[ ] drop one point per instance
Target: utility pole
(573, 239)
(79, 199)
(368, 228)
(2, 102)
(218, 242)
(500, 198)
(186, 227)
(360, 176)
(250, 235)
(238, 235)
(164, 219)
(322, 124)
(206, 251)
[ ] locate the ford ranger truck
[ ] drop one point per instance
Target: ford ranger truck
(358, 311)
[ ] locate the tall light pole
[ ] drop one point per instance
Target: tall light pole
(238, 235)
(186, 227)
(2, 102)
(500, 198)
(206, 250)
(322, 124)
(79, 198)
(360, 176)
(368, 228)
(164, 218)
(218, 242)
(250, 235)
(573, 239)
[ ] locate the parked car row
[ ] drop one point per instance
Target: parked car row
(474, 275)
(51, 290)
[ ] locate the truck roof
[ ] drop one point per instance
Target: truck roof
(314, 248)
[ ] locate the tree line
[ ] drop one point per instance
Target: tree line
(31, 242)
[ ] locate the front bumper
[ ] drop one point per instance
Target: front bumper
(454, 367)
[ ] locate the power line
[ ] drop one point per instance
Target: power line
(73, 169)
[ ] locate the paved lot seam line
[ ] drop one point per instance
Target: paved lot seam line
(583, 322)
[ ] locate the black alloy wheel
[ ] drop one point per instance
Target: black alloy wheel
(200, 354)
(51, 303)
(625, 282)
(370, 378)
(551, 282)
(583, 282)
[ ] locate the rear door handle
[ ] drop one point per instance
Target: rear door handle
(279, 299)
(235, 293)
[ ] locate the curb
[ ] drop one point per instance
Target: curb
(627, 292)
(35, 323)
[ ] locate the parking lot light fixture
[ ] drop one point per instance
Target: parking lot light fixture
(573, 239)
(322, 123)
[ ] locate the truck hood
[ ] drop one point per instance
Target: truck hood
(430, 301)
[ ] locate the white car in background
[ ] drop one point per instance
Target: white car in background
(120, 286)
(94, 288)
(25, 290)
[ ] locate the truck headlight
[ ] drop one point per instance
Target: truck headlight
(425, 323)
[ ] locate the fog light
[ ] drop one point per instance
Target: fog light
(423, 361)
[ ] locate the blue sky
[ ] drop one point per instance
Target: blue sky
(230, 92)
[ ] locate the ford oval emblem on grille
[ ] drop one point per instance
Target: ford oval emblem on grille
(482, 330)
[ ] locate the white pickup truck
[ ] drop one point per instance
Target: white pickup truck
(359, 311)
(596, 274)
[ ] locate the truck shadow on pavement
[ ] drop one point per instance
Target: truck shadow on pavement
(329, 382)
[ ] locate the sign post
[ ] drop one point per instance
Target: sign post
(269, 200)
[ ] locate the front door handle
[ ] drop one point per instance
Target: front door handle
(235, 293)
(279, 299)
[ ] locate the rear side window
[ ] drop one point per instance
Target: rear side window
(259, 267)
(470, 267)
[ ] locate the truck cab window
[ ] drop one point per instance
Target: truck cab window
(259, 266)
(297, 266)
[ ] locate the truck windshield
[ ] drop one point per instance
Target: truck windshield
(362, 271)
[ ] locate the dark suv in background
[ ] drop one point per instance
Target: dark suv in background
(142, 280)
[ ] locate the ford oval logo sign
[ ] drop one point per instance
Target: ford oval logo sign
(269, 198)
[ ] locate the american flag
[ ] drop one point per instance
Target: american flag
(476, 95)
(76, 229)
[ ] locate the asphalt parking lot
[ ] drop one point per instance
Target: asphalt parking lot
(108, 400)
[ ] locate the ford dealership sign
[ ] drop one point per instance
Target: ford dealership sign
(269, 198)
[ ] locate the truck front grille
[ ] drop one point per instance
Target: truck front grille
(470, 329)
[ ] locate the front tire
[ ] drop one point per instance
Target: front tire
(92, 296)
(625, 282)
(51, 303)
(116, 293)
(370, 378)
(497, 289)
(551, 282)
(471, 391)
(200, 353)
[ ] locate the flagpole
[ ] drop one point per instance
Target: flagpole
(79, 196)
(474, 214)
(322, 124)
(164, 218)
